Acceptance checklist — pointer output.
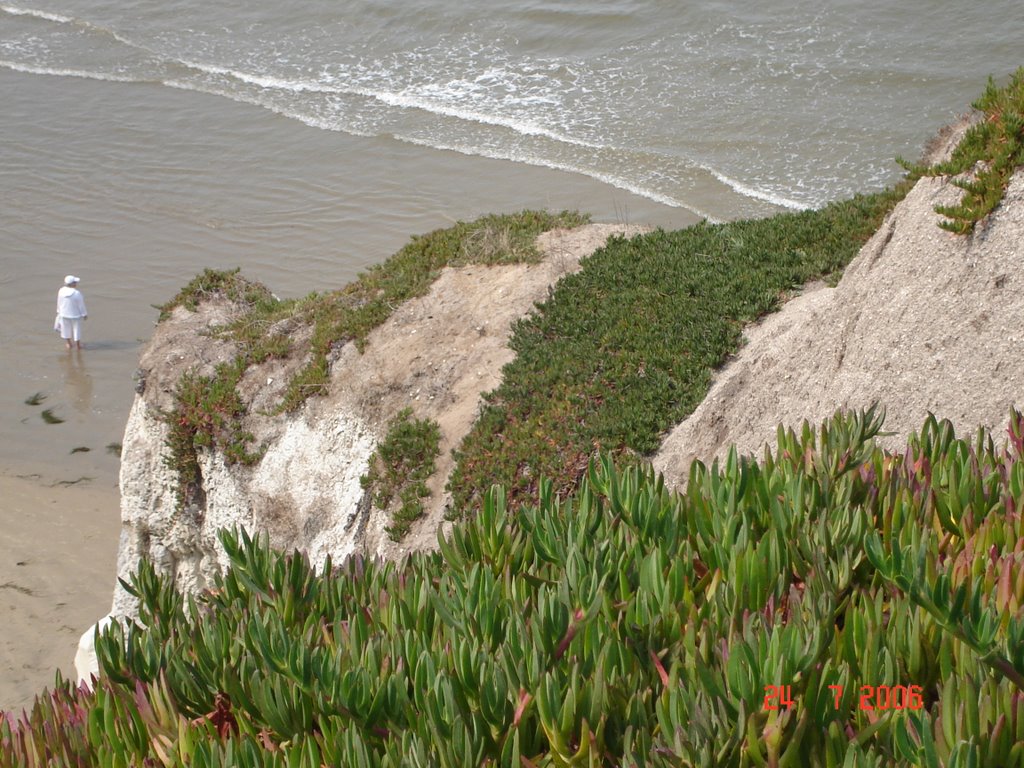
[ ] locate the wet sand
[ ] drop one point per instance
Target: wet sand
(58, 551)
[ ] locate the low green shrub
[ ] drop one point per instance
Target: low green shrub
(830, 605)
(401, 466)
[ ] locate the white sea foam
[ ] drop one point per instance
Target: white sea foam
(522, 127)
(606, 178)
(757, 194)
(14, 11)
(519, 98)
(399, 100)
(334, 125)
(313, 121)
(57, 18)
(269, 82)
(404, 101)
(407, 101)
(61, 72)
(395, 99)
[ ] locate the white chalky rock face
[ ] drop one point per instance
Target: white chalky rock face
(307, 486)
(304, 494)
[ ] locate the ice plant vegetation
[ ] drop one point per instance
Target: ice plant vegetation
(622, 625)
(986, 158)
(625, 349)
(396, 478)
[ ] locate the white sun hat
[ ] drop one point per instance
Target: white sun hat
(70, 280)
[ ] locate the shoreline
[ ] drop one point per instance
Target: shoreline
(58, 558)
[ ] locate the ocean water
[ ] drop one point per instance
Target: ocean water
(302, 142)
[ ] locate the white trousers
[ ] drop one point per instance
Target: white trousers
(71, 328)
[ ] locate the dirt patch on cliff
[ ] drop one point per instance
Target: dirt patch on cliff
(440, 352)
(922, 321)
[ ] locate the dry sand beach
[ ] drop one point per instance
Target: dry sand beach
(50, 594)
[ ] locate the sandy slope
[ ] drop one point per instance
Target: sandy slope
(922, 321)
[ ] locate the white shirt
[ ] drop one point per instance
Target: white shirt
(70, 302)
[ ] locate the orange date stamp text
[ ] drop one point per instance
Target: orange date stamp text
(870, 697)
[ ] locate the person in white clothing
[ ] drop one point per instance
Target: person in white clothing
(71, 312)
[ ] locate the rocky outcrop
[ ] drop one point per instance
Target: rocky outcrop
(922, 321)
(437, 354)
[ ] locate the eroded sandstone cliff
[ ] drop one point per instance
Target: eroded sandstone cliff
(437, 354)
(923, 320)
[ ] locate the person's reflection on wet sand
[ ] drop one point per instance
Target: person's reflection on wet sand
(77, 381)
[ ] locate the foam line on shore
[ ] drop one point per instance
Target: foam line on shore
(609, 179)
(400, 100)
(44, 15)
(756, 194)
(30, 69)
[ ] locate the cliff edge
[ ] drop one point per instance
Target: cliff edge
(922, 320)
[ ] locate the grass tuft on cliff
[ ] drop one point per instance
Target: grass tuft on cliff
(215, 283)
(400, 467)
(990, 152)
(831, 605)
(352, 312)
